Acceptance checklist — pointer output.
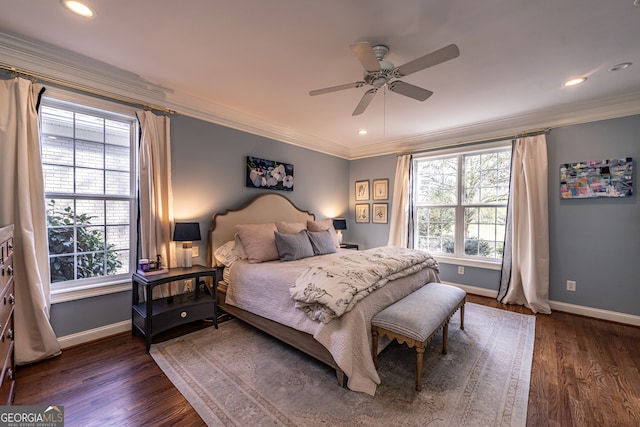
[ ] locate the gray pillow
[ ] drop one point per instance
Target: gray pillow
(293, 246)
(322, 242)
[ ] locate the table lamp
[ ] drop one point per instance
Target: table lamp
(186, 232)
(339, 224)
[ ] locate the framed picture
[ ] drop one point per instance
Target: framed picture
(380, 213)
(268, 174)
(362, 212)
(597, 178)
(362, 190)
(380, 189)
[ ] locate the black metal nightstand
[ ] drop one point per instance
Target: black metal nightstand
(349, 246)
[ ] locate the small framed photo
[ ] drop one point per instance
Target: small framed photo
(380, 189)
(362, 190)
(362, 212)
(380, 213)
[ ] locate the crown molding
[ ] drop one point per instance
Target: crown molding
(202, 109)
(41, 58)
(564, 115)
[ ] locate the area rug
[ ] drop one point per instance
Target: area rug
(237, 375)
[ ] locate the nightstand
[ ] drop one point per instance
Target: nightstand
(349, 246)
(153, 316)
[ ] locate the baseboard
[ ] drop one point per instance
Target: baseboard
(596, 313)
(94, 334)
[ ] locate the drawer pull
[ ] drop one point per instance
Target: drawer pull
(183, 314)
(10, 334)
(10, 270)
(12, 299)
(10, 374)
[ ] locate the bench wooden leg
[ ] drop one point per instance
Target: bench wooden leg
(374, 345)
(419, 357)
(445, 338)
(462, 317)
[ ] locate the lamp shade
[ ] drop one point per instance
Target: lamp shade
(340, 223)
(186, 232)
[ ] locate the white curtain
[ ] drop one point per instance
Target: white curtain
(156, 196)
(400, 223)
(525, 272)
(22, 190)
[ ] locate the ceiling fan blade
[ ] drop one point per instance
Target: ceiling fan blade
(409, 90)
(336, 88)
(364, 102)
(429, 60)
(365, 55)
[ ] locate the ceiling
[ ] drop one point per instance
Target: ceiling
(250, 64)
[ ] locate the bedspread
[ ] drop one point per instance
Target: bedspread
(327, 290)
(263, 289)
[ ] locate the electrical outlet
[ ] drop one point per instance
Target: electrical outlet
(195, 252)
(571, 285)
(460, 269)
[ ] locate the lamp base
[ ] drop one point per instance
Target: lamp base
(339, 236)
(188, 260)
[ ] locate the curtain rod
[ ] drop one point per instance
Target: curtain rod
(85, 89)
(480, 141)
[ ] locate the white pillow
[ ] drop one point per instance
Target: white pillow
(224, 254)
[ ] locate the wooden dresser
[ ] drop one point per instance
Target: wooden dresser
(7, 302)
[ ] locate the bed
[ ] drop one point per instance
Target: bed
(259, 294)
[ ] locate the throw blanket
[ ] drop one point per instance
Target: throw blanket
(327, 290)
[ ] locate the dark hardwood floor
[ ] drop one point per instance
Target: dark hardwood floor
(585, 372)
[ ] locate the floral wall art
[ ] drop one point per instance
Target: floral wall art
(269, 174)
(596, 178)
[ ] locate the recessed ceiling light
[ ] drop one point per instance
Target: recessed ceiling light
(621, 66)
(575, 81)
(80, 8)
(362, 132)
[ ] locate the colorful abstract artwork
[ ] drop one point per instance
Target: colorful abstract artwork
(269, 174)
(596, 178)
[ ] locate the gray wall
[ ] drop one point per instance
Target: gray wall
(208, 171)
(594, 242)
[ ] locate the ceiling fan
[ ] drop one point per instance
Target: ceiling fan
(379, 73)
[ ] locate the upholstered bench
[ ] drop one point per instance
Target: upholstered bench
(416, 319)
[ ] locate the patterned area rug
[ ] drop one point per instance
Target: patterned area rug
(237, 375)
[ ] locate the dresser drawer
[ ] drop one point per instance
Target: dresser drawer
(8, 378)
(7, 301)
(6, 270)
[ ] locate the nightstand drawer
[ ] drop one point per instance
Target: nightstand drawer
(181, 314)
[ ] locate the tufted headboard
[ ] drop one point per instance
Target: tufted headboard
(267, 207)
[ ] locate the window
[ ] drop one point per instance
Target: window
(88, 161)
(461, 201)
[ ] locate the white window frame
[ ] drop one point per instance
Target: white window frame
(91, 287)
(459, 258)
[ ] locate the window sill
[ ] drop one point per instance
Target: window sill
(88, 291)
(467, 262)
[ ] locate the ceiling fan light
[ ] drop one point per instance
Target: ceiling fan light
(362, 132)
(575, 81)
